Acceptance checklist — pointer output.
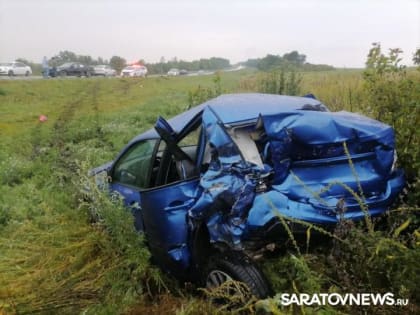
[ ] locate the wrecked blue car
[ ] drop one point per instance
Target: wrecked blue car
(218, 185)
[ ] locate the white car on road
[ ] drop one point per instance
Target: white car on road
(173, 72)
(134, 71)
(15, 68)
(104, 70)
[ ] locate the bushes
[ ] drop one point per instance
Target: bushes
(200, 94)
(377, 263)
(392, 94)
(384, 261)
(280, 82)
(128, 276)
(275, 82)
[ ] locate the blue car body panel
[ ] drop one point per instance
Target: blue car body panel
(164, 214)
(312, 165)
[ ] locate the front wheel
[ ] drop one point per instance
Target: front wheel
(238, 267)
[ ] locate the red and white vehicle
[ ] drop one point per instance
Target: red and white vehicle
(134, 71)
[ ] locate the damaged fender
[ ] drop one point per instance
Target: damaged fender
(325, 166)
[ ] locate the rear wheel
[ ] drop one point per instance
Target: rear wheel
(239, 268)
(10, 73)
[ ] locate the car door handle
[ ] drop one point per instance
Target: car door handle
(178, 205)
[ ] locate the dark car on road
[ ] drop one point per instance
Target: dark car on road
(71, 69)
(218, 186)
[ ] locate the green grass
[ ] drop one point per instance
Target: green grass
(53, 259)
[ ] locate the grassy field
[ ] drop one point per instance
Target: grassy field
(54, 260)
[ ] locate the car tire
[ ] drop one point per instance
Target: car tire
(27, 74)
(63, 74)
(238, 267)
(10, 73)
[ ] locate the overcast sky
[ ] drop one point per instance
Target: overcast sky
(335, 32)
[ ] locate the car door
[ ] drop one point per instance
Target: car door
(165, 206)
(78, 69)
(18, 68)
(132, 173)
(75, 69)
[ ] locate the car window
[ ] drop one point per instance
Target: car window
(192, 138)
(189, 145)
(134, 168)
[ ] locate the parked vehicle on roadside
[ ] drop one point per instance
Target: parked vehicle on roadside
(134, 71)
(173, 72)
(15, 68)
(71, 69)
(217, 187)
(104, 70)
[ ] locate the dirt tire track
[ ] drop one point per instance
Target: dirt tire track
(65, 165)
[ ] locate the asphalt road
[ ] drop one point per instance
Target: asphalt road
(31, 77)
(37, 77)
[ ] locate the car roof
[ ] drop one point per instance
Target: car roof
(236, 108)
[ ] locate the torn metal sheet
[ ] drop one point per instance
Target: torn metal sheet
(226, 195)
(322, 164)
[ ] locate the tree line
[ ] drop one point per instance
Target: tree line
(270, 62)
(214, 63)
(289, 61)
(118, 63)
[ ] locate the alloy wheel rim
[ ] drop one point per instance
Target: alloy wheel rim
(216, 278)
